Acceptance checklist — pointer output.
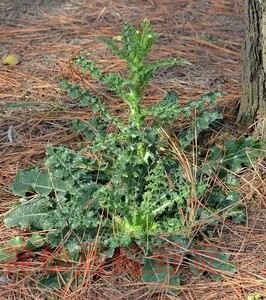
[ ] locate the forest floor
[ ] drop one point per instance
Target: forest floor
(34, 112)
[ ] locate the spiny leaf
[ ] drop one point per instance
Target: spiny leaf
(32, 213)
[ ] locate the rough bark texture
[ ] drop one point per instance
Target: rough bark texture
(253, 104)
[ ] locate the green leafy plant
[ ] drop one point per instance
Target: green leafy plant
(128, 187)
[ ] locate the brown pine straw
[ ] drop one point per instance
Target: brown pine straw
(206, 33)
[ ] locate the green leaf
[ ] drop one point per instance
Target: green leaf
(232, 181)
(168, 110)
(36, 241)
(174, 281)
(75, 92)
(54, 281)
(157, 65)
(23, 181)
(177, 249)
(109, 42)
(16, 242)
(202, 123)
(5, 254)
(221, 200)
(242, 153)
(36, 181)
(32, 213)
(156, 271)
(8, 252)
(237, 215)
(210, 259)
(57, 281)
(42, 184)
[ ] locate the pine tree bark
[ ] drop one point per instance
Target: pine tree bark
(253, 103)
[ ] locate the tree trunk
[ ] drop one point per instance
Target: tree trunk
(253, 104)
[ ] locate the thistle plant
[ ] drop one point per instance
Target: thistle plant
(133, 46)
(133, 189)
